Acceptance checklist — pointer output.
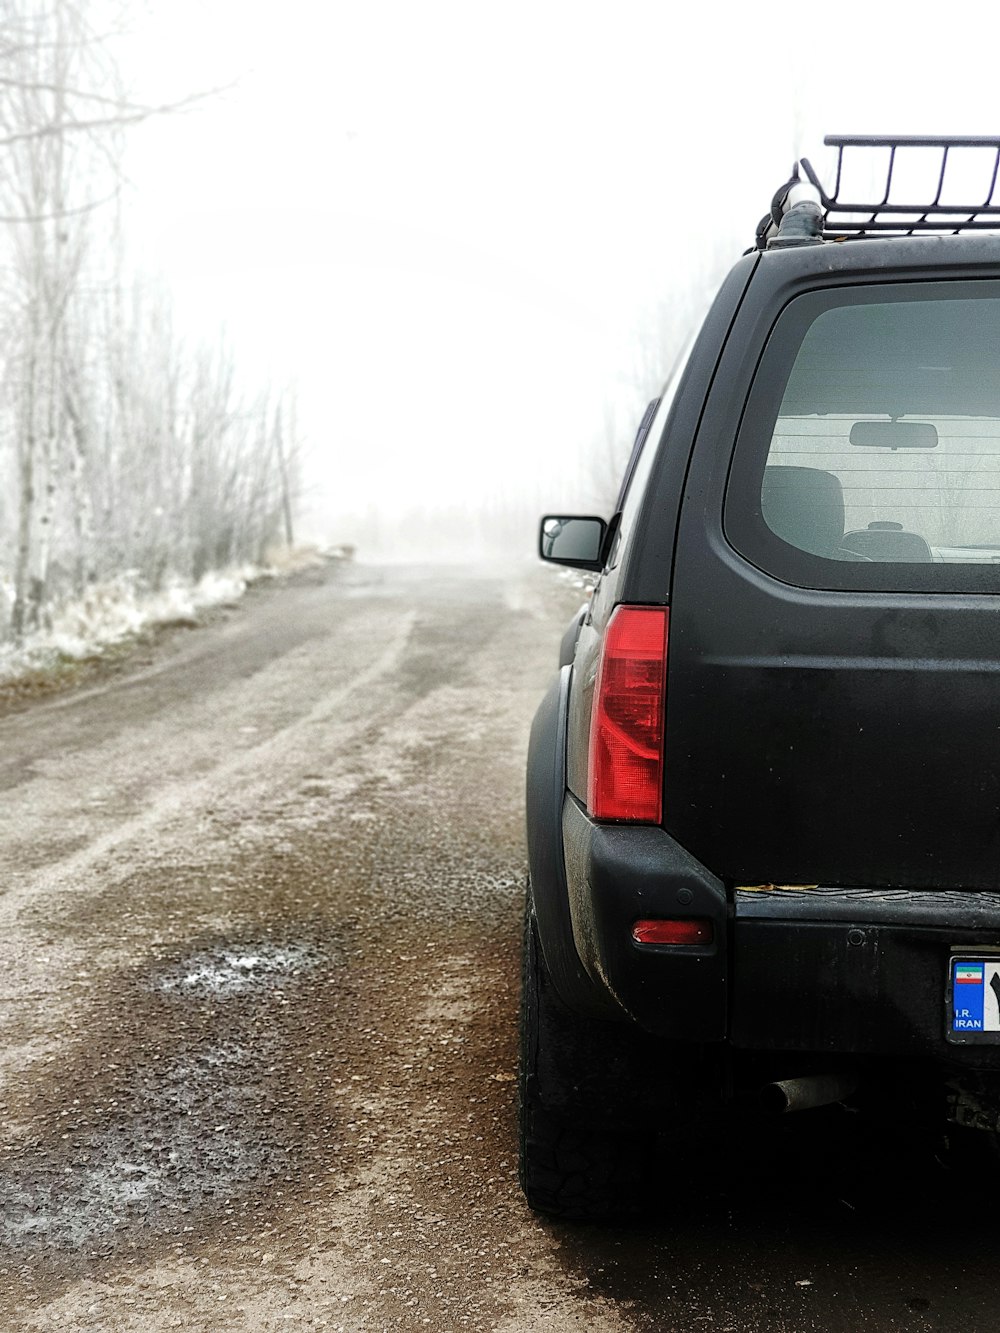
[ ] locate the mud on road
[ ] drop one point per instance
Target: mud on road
(260, 909)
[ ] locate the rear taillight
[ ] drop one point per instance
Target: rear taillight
(626, 732)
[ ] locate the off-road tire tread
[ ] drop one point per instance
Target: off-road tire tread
(584, 1144)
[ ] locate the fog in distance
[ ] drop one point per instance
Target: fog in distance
(476, 239)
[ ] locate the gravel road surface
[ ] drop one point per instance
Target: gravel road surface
(260, 908)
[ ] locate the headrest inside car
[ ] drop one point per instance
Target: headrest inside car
(804, 506)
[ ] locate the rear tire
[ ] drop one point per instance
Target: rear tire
(587, 1132)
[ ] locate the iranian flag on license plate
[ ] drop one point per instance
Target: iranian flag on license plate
(968, 974)
(976, 995)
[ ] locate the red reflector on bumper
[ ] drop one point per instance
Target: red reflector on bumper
(673, 932)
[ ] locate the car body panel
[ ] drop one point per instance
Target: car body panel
(813, 735)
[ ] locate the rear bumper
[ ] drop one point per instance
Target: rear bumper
(617, 874)
(819, 970)
(858, 970)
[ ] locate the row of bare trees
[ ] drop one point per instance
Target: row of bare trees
(661, 331)
(122, 446)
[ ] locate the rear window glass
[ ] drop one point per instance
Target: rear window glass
(869, 455)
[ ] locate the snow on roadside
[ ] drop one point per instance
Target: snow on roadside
(576, 578)
(119, 609)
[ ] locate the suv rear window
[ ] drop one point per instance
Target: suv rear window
(869, 454)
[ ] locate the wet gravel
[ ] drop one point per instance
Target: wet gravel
(165, 1120)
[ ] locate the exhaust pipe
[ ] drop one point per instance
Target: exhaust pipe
(800, 1094)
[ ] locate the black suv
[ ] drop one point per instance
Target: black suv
(764, 791)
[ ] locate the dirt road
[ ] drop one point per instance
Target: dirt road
(259, 904)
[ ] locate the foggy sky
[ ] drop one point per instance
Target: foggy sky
(447, 221)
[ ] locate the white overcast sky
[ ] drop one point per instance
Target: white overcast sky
(445, 220)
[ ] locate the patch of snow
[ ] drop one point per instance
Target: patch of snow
(112, 612)
(120, 608)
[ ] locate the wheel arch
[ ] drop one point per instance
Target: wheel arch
(546, 792)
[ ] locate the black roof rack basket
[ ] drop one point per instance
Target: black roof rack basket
(881, 216)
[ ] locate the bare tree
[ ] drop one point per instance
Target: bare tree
(53, 171)
(110, 423)
(661, 330)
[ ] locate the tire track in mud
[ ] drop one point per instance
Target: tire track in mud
(186, 794)
(295, 1077)
(212, 795)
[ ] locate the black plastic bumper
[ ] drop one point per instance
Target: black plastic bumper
(616, 875)
(845, 971)
(858, 970)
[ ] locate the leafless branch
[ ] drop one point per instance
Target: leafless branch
(129, 117)
(89, 207)
(81, 94)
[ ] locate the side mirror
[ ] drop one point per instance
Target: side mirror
(568, 540)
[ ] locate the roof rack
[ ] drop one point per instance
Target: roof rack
(846, 218)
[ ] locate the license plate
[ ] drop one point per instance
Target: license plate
(975, 999)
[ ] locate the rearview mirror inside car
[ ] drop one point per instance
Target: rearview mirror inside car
(895, 434)
(570, 540)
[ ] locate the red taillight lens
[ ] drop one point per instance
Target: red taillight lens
(673, 932)
(626, 730)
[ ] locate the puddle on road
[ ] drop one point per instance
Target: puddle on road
(195, 1097)
(235, 971)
